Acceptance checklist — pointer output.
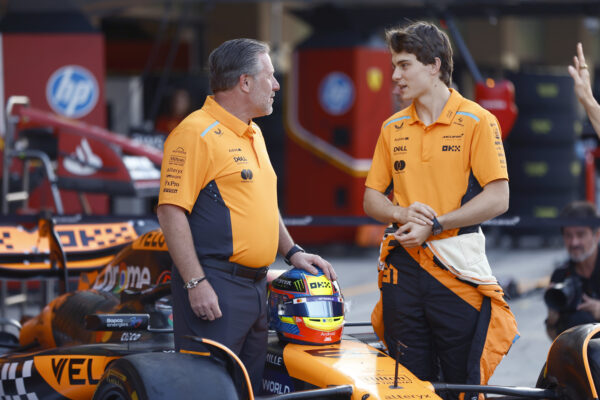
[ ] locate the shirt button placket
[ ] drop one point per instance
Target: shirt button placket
(426, 148)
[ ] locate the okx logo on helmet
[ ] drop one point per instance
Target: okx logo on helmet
(305, 308)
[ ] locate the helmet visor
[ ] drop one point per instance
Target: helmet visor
(313, 307)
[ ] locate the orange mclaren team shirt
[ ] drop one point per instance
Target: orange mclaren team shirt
(217, 168)
(444, 164)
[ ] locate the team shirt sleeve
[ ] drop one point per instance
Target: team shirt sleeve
(488, 161)
(380, 173)
(185, 168)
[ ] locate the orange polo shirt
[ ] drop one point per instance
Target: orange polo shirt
(444, 164)
(217, 168)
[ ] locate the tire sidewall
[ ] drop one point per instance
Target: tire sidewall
(120, 379)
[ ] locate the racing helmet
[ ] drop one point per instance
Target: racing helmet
(305, 308)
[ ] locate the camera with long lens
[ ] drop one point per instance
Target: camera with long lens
(565, 295)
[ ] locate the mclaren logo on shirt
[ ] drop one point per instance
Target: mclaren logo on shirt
(247, 174)
(399, 165)
(451, 137)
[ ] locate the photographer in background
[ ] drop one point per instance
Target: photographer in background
(573, 297)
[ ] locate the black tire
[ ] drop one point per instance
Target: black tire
(157, 376)
(546, 128)
(540, 204)
(543, 169)
(543, 92)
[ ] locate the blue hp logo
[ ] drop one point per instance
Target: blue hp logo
(336, 93)
(72, 91)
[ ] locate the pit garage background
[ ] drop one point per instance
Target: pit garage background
(122, 66)
(116, 66)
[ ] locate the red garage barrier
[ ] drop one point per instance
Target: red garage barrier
(590, 174)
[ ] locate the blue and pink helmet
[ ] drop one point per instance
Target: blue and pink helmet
(305, 308)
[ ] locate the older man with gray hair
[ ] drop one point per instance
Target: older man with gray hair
(218, 209)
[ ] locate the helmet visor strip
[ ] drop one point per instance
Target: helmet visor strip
(313, 307)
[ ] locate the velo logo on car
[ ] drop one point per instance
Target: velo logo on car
(72, 91)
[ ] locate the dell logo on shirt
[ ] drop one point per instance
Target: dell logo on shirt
(72, 91)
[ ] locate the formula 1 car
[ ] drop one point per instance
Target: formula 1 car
(112, 339)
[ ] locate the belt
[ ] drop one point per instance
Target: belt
(235, 269)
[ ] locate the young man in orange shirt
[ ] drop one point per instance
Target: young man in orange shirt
(444, 161)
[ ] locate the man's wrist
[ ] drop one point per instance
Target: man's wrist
(398, 215)
(192, 283)
(593, 108)
(295, 249)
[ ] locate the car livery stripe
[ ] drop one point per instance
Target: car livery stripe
(5, 371)
(12, 372)
(198, 353)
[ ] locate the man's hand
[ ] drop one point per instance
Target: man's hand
(204, 301)
(305, 261)
(580, 73)
(581, 77)
(419, 213)
(379, 207)
(412, 234)
(590, 305)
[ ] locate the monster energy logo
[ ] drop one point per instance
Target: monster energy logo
(299, 285)
(282, 283)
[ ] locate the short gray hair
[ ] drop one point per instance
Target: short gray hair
(231, 59)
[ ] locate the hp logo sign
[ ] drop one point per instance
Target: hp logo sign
(72, 91)
(336, 93)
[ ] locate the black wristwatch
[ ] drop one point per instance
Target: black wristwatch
(295, 249)
(437, 228)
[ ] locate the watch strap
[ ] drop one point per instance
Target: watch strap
(437, 228)
(295, 249)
